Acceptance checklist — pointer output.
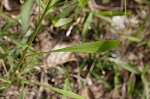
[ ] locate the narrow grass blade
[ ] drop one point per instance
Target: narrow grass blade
(87, 24)
(7, 26)
(82, 3)
(61, 91)
(125, 66)
(116, 79)
(22, 91)
(91, 47)
(105, 18)
(146, 86)
(145, 81)
(66, 11)
(141, 27)
(132, 39)
(61, 22)
(25, 14)
(4, 85)
(4, 66)
(60, 19)
(131, 84)
(112, 13)
(7, 53)
(5, 80)
(101, 80)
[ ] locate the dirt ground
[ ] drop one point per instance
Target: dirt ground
(76, 70)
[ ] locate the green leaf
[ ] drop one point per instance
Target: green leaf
(126, 66)
(146, 86)
(66, 11)
(87, 24)
(21, 96)
(60, 19)
(7, 53)
(112, 13)
(7, 26)
(91, 47)
(145, 81)
(101, 80)
(132, 39)
(105, 18)
(61, 91)
(5, 80)
(25, 14)
(82, 3)
(61, 22)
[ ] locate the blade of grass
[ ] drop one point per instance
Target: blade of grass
(82, 3)
(4, 85)
(7, 26)
(101, 80)
(145, 81)
(141, 27)
(25, 14)
(61, 22)
(5, 80)
(66, 11)
(105, 18)
(87, 24)
(90, 47)
(10, 60)
(116, 79)
(132, 39)
(60, 19)
(4, 66)
(30, 40)
(131, 84)
(21, 96)
(61, 91)
(112, 13)
(125, 66)
(7, 53)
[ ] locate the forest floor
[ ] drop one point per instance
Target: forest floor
(122, 73)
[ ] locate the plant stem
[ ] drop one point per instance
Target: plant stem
(30, 40)
(125, 7)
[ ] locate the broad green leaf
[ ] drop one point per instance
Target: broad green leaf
(25, 14)
(87, 24)
(61, 22)
(91, 47)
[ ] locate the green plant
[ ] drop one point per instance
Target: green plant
(23, 47)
